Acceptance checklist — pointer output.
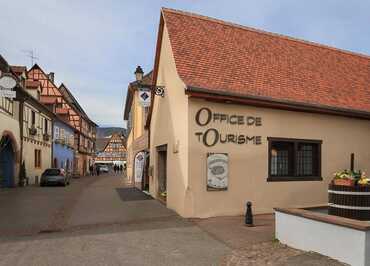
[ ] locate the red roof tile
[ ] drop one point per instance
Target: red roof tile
(18, 70)
(227, 58)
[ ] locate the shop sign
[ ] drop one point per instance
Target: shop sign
(217, 171)
(7, 93)
(7, 83)
(211, 136)
(139, 166)
(144, 97)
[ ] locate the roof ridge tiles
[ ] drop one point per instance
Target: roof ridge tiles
(273, 34)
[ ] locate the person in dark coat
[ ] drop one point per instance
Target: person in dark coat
(97, 170)
(91, 169)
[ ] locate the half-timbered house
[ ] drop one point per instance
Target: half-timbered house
(36, 127)
(67, 108)
(114, 151)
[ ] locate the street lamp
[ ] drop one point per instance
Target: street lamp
(139, 73)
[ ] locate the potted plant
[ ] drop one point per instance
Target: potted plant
(46, 136)
(33, 130)
(349, 195)
(344, 178)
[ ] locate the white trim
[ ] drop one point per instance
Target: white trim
(348, 192)
(348, 207)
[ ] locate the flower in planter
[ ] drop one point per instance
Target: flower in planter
(350, 178)
(344, 175)
(363, 179)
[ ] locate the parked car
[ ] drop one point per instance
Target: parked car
(104, 169)
(54, 176)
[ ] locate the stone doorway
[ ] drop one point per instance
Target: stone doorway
(162, 172)
(7, 162)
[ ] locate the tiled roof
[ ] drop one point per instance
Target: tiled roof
(18, 70)
(223, 57)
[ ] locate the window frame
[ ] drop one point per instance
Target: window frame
(272, 178)
(37, 163)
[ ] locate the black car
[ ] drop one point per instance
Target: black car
(54, 176)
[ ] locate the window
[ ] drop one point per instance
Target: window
(33, 118)
(37, 158)
(46, 126)
(62, 137)
(294, 160)
(56, 132)
(6, 105)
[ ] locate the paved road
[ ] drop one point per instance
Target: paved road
(96, 221)
(100, 221)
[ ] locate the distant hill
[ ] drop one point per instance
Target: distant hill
(103, 132)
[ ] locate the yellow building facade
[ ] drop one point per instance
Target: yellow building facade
(137, 141)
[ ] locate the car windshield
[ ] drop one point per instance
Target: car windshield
(52, 172)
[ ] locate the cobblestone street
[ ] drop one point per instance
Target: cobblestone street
(101, 221)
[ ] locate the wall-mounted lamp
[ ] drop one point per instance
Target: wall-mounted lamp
(139, 74)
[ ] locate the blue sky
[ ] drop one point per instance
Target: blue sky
(94, 46)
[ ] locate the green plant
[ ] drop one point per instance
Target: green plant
(359, 177)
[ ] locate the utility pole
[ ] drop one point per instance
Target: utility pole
(31, 55)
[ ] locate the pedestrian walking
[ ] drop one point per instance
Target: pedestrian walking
(120, 168)
(97, 170)
(91, 169)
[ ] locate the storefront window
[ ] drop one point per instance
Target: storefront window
(294, 160)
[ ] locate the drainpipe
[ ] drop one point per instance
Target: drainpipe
(21, 104)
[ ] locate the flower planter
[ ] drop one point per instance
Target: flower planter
(350, 201)
(344, 182)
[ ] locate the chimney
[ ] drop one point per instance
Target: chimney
(51, 76)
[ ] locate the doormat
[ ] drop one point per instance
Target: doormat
(132, 194)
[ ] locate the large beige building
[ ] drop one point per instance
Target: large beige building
(251, 116)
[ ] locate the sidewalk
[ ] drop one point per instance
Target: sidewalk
(257, 245)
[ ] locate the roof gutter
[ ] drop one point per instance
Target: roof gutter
(262, 101)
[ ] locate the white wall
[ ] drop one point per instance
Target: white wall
(338, 242)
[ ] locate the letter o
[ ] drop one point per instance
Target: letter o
(205, 135)
(197, 116)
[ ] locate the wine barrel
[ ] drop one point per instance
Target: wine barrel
(349, 201)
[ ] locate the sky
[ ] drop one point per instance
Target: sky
(94, 46)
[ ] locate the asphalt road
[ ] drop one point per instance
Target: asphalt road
(95, 221)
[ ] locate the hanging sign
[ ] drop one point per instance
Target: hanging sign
(144, 97)
(7, 83)
(139, 166)
(217, 171)
(7, 93)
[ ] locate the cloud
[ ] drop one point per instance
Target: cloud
(94, 46)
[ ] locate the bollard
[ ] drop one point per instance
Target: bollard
(249, 215)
